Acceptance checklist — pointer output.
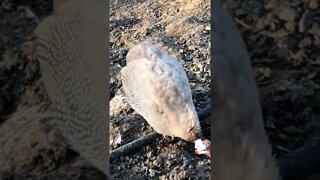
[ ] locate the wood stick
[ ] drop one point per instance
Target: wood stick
(145, 140)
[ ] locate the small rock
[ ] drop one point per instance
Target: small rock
(270, 124)
(156, 162)
(182, 175)
(144, 169)
(200, 163)
(313, 4)
(149, 154)
(8, 6)
(200, 66)
(283, 136)
(168, 163)
(288, 14)
(302, 22)
(183, 167)
(290, 26)
(122, 158)
(152, 172)
(291, 130)
(305, 42)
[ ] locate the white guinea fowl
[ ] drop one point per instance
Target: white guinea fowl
(157, 87)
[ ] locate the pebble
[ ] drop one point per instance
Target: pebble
(201, 67)
(151, 165)
(302, 22)
(144, 169)
(313, 4)
(291, 130)
(168, 163)
(305, 42)
(183, 167)
(182, 175)
(152, 172)
(149, 154)
(141, 157)
(282, 136)
(290, 26)
(288, 14)
(156, 162)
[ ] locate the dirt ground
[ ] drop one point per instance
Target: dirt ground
(282, 38)
(182, 29)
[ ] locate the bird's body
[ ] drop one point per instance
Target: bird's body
(157, 87)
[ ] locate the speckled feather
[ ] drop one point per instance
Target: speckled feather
(157, 87)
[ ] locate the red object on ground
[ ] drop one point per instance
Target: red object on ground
(207, 152)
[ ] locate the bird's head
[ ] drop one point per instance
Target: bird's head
(189, 130)
(193, 133)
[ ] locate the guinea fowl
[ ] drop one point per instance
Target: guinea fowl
(157, 87)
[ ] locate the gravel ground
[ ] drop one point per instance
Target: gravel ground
(182, 29)
(282, 38)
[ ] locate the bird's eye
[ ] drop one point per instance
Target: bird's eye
(191, 129)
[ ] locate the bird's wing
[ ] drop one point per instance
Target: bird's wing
(155, 87)
(136, 80)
